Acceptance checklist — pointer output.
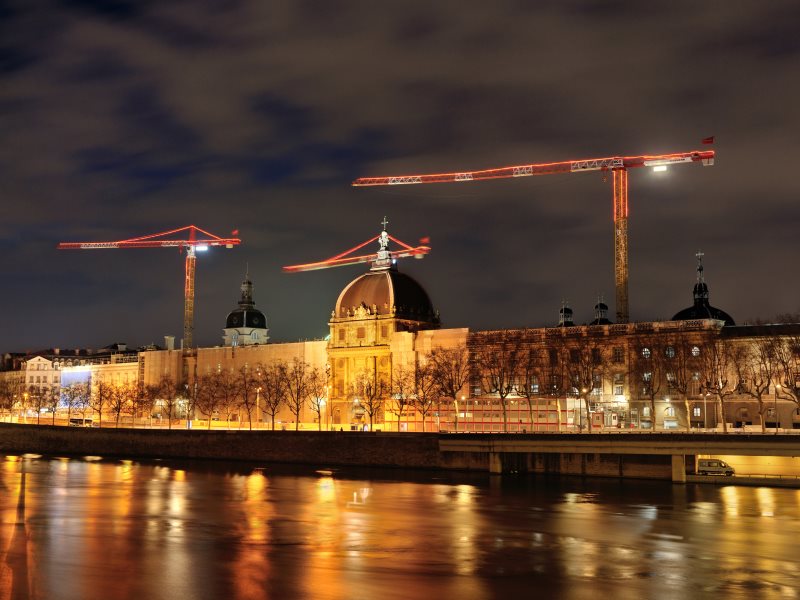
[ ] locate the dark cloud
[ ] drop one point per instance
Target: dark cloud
(125, 118)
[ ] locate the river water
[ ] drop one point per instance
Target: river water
(92, 528)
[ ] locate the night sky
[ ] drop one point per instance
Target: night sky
(130, 117)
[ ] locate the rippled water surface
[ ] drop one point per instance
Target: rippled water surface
(99, 528)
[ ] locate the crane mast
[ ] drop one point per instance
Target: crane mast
(198, 240)
(618, 165)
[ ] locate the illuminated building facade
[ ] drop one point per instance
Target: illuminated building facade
(673, 375)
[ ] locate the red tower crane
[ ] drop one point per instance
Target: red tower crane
(618, 165)
(198, 240)
(380, 260)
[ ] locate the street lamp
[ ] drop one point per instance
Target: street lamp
(777, 391)
(705, 411)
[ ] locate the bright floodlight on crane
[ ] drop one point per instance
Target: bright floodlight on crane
(198, 240)
(618, 165)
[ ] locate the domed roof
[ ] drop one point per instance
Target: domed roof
(386, 292)
(600, 313)
(250, 317)
(246, 315)
(701, 309)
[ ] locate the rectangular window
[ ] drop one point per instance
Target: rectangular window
(596, 358)
(670, 382)
(341, 334)
(597, 385)
(696, 411)
(574, 355)
(646, 411)
(384, 331)
(553, 356)
(534, 385)
(619, 384)
(361, 333)
(618, 355)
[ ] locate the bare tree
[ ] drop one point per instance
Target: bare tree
(52, 399)
(425, 389)
(271, 390)
(401, 390)
(556, 384)
(248, 385)
(496, 355)
(451, 372)
(370, 390)
(530, 373)
(318, 394)
(171, 393)
(787, 362)
(755, 367)
(682, 370)
(296, 379)
(648, 367)
(716, 363)
(208, 398)
(36, 399)
(147, 399)
(100, 399)
(121, 400)
(10, 390)
(585, 362)
(75, 395)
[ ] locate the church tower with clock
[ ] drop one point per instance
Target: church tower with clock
(246, 325)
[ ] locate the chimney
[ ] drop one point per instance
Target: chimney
(169, 342)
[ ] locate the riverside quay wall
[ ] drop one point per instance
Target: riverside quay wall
(669, 456)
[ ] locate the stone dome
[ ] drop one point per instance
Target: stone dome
(386, 292)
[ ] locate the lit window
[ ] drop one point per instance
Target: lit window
(696, 411)
(670, 352)
(646, 411)
(695, 351)
(669, 411)
(645, 352)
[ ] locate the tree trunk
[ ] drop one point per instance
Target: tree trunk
(653, 411)
(688, 413)
(590, 425)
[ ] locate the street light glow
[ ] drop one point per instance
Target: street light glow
(659, 168)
